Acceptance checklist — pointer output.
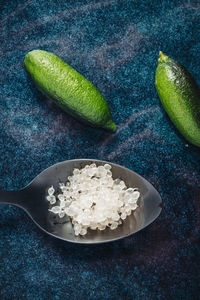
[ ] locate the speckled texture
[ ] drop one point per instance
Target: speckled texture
(114, 44)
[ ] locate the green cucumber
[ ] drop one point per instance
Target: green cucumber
(68, 89)
(180, 97)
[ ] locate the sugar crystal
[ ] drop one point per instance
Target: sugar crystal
(93, 199)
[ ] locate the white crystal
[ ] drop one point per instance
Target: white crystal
(92, 199)
(93, 165)
(101, 227)
(107, 166)
(76, 172)
(120, 203)
(122, 184)
(61, 197)
(109, 173)
(133, 206)
(122, 209)
(67, 202)
(53, 201)
(136, 195)
(128, 212)
(51, 198)
(55, 209)
(61, 214)
(115, 216)
(131, 200)
(69, 211)
(83, 231)
(91, 172)
(70, 178)
(77, 228)
(117, 181)
(51, 191)
(101, 171)
(85, 222)
(131, 190)
(93, 227)
(109, 182)
(114, 225)
(127, 207)
(62, 204)
(123, 216)
(64, 189)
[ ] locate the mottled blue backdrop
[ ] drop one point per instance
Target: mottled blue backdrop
(114, 44)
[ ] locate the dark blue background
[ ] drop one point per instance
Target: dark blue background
(114, 44)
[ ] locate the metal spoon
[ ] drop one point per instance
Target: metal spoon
(32, 199)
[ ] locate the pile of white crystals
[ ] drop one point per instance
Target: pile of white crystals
(92, 199)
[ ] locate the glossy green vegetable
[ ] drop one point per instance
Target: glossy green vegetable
(68, 89)
(180, 97)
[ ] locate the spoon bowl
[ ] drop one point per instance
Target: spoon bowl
(32, 199)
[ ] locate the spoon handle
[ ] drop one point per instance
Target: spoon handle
(12, 197)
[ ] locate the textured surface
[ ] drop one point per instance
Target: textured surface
(68, 89)
(114, 44)
(180, 97)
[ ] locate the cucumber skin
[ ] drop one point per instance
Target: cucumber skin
(180, 97)
(68, 89)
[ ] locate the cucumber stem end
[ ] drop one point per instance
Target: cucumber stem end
(162, 57)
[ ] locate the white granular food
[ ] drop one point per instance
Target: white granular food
(93, 199)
